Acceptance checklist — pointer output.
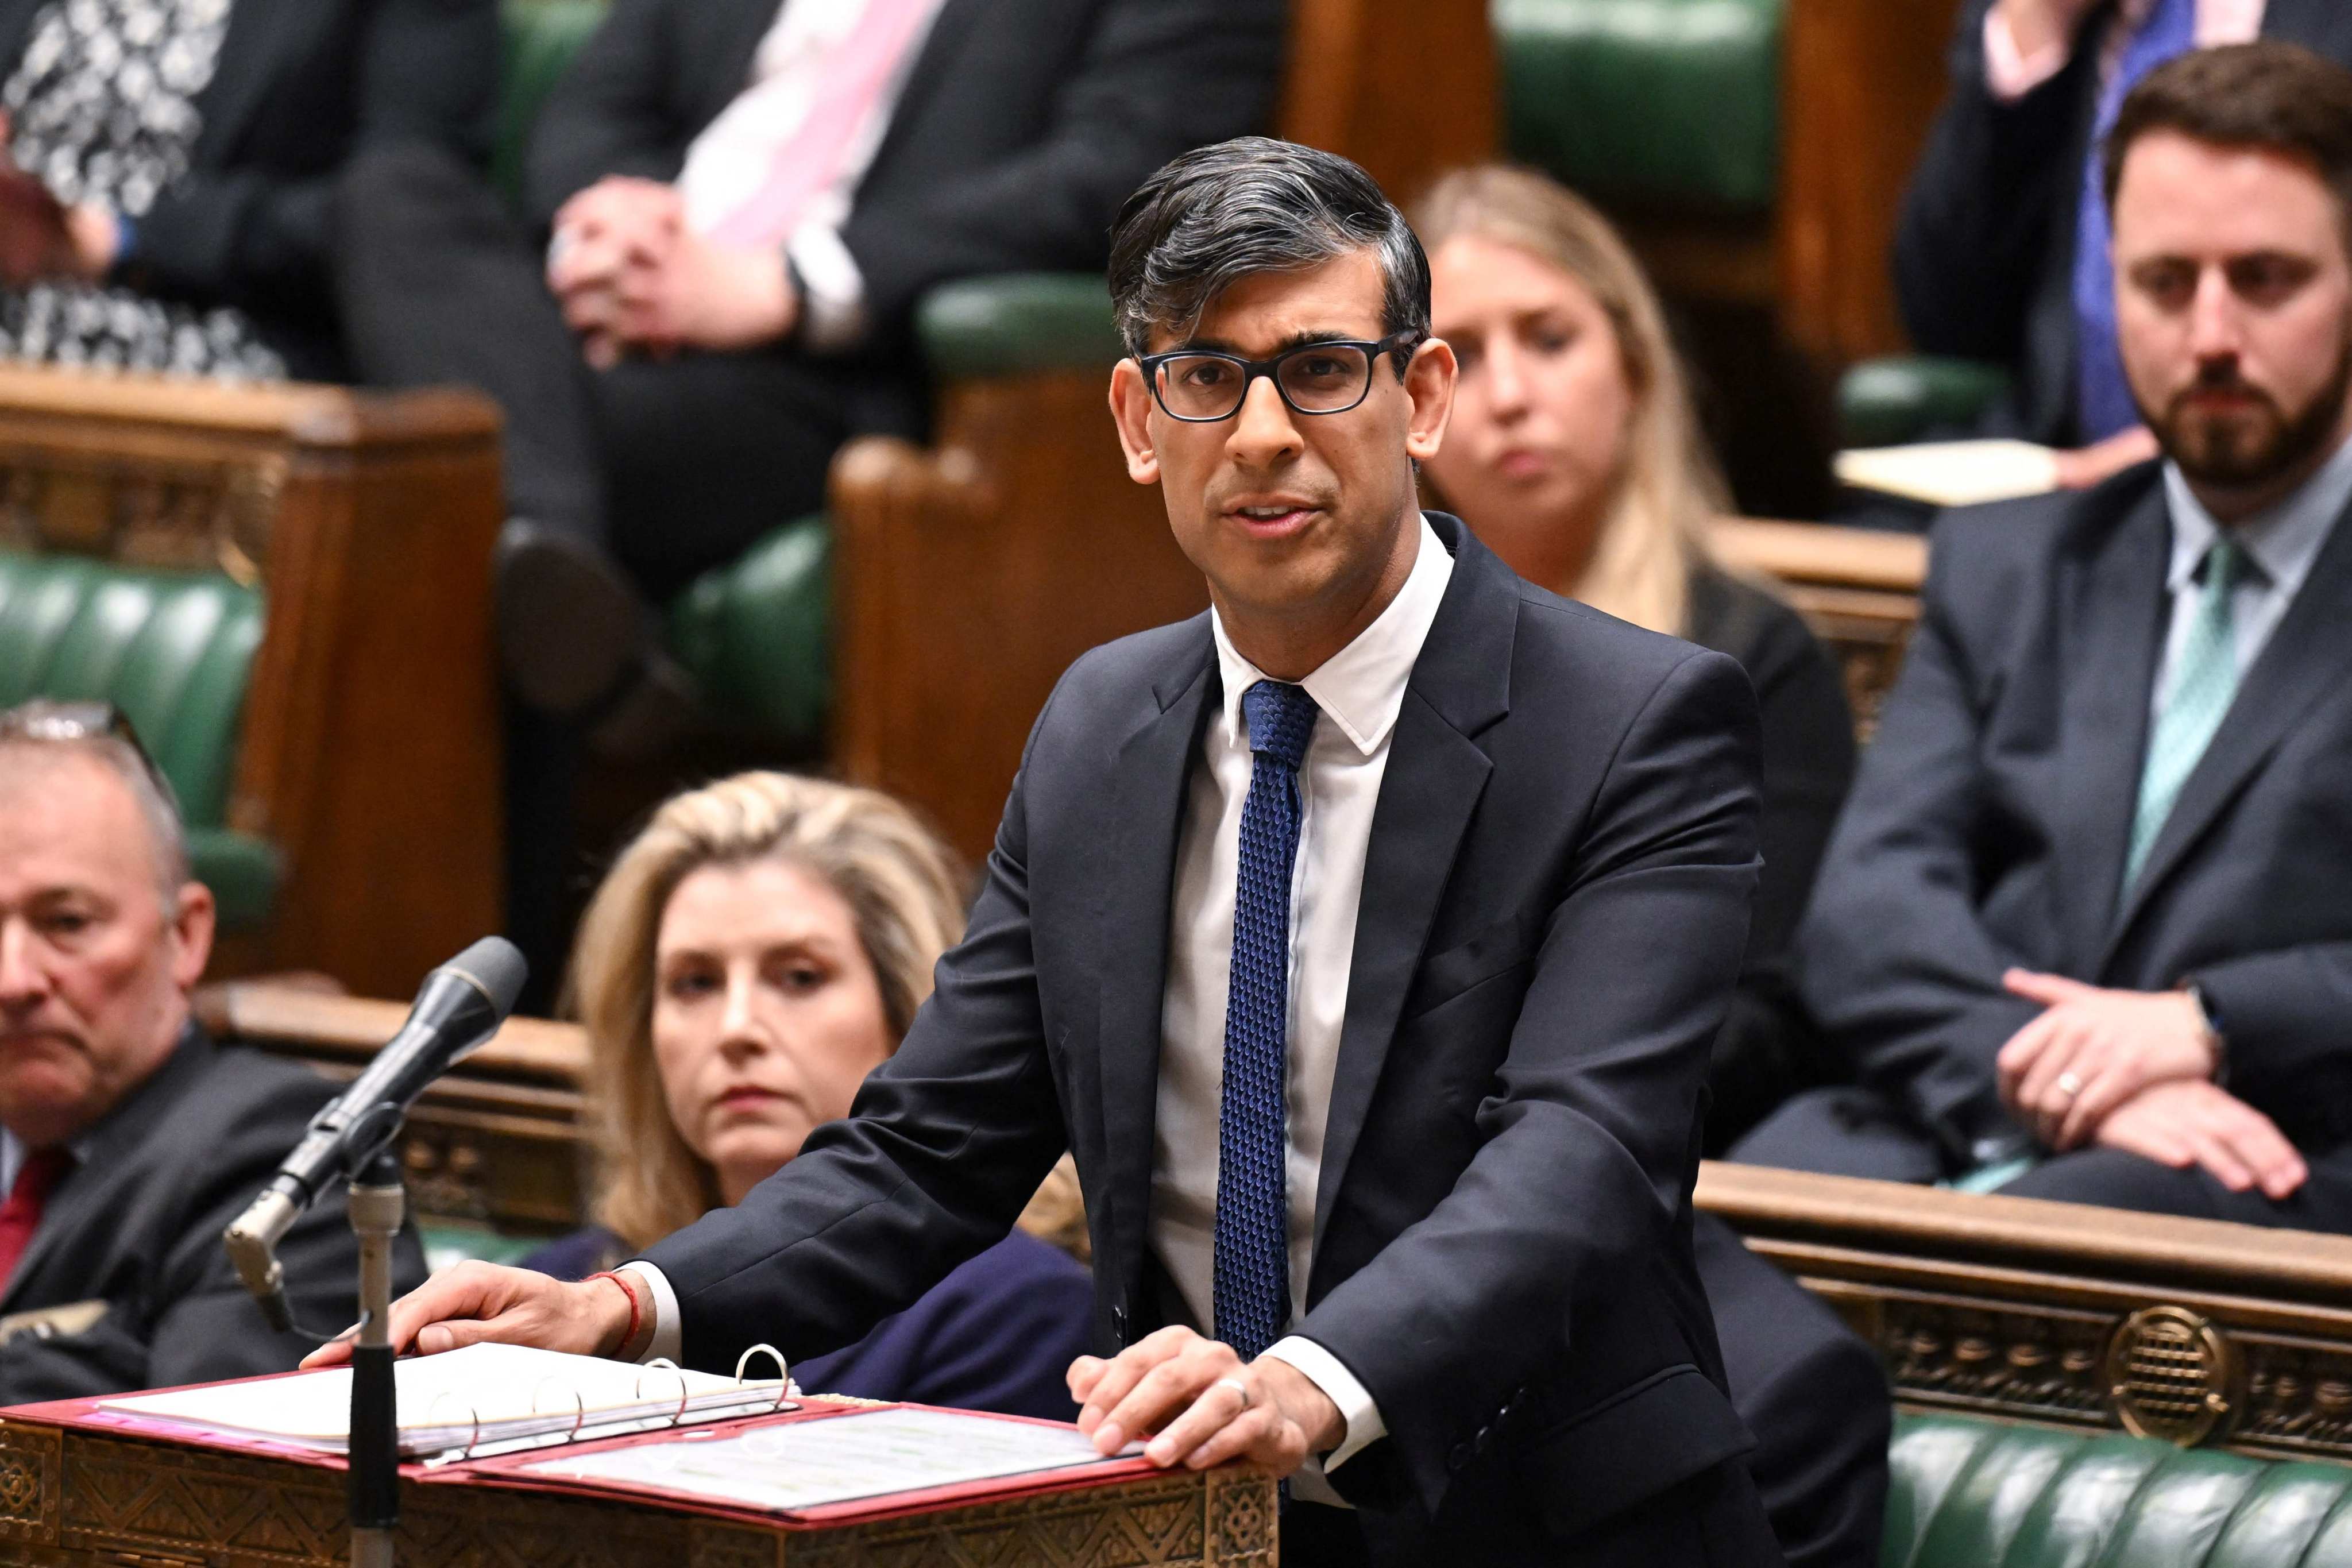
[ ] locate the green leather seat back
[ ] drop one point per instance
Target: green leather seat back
(1017, 324)
(755, 632)
(1975, 1493)
(542, 36)
(1659, 103)
(174, 651)
(1908, 397)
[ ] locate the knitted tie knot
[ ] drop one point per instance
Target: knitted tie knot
(2225, 563)
(1281, 721)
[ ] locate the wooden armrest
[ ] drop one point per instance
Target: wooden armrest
(1813, 552)
(352, 1029)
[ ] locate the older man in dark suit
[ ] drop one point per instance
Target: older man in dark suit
(128, 1140)
(2087, 926)
(1363, 936)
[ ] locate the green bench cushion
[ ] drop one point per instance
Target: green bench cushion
(1018, 323)
(1889, 401)
(1968, 1492)
(1659, 103)
(242, 872)
(755, 631)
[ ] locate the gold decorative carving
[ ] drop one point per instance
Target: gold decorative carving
(184, 516)
(92, 1499)
(2040, 1364)
(2170, 1372)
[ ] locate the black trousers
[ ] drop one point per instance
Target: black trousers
(1858, 1132)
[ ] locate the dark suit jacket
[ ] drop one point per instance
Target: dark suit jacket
(1024, 123)
(137, 1224)
(1554, 902)
(1984, 252)
(1990, 821)
(1763, 1053)
(301, 86)
(999, 1333)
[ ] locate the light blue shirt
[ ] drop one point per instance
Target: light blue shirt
(2280, 545)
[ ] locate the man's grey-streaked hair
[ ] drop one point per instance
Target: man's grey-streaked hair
(1216, 215)
(47, 728)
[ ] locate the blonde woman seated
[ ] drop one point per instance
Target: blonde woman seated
(756, 951)
(1574, 455)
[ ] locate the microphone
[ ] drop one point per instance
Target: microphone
(460, 1005)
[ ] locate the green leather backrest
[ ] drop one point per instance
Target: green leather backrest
(1974, 1493)
(542, 36)
(173, 649)
(1665, 103)
(756, 632)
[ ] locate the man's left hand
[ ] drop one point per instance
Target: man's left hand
(2094, 1049)
(1205, 1407)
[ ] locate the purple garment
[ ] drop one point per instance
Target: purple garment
(999, 1333)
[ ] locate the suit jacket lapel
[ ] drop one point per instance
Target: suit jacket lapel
(2112, 597)
(2305, 659)
(1436, 773)
(1136, 888)
(75, 1216)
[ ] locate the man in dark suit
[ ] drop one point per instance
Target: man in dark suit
(2001, 251)
(128, 1140)
(1364, 937)
(2088, 915)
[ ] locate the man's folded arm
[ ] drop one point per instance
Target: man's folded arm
(2282, 1017)
(610, 114)
(1891, 953)
(943, 1146)
(1597, 1097)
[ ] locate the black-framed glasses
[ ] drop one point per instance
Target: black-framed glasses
(47, 719)
(1200, 386)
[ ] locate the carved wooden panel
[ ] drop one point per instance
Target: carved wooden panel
(174, 513)
(76, 1498)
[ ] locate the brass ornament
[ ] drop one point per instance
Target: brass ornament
(2172, 1375)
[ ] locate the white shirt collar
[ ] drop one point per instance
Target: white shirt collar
(1360, 689)
(2284, 542)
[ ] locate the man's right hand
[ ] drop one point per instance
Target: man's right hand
(477, 1301)
(2037, 25)
(2189, 1121)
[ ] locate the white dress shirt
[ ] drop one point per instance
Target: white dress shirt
(1361, 693)
(726, 163)
(2280, 544)
(2011, 73)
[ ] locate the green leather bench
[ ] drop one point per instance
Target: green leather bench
(1975, 1493)
(173, 651)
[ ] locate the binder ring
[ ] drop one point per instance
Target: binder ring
(784, 1373)
(472, 1414)
(579, 1405)
(685, 1392)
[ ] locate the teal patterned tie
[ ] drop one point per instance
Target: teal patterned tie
(2202, 686)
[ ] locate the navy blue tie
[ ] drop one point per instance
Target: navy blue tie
(1253, 1254)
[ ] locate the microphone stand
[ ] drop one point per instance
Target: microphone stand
(377, 1205)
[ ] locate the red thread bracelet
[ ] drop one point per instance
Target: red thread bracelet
(636, 1316)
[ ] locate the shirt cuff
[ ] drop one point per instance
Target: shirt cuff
(2010, 74)
(832, 289)
(668, 1338)
(1322, 1369)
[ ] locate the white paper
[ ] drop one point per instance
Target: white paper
(476, 1394)
(1953, 473)
(840, 1459)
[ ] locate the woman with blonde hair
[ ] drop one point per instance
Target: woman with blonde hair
(1574, 453)
(751, 957)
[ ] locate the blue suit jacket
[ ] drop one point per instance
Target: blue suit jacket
(1555, 901)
